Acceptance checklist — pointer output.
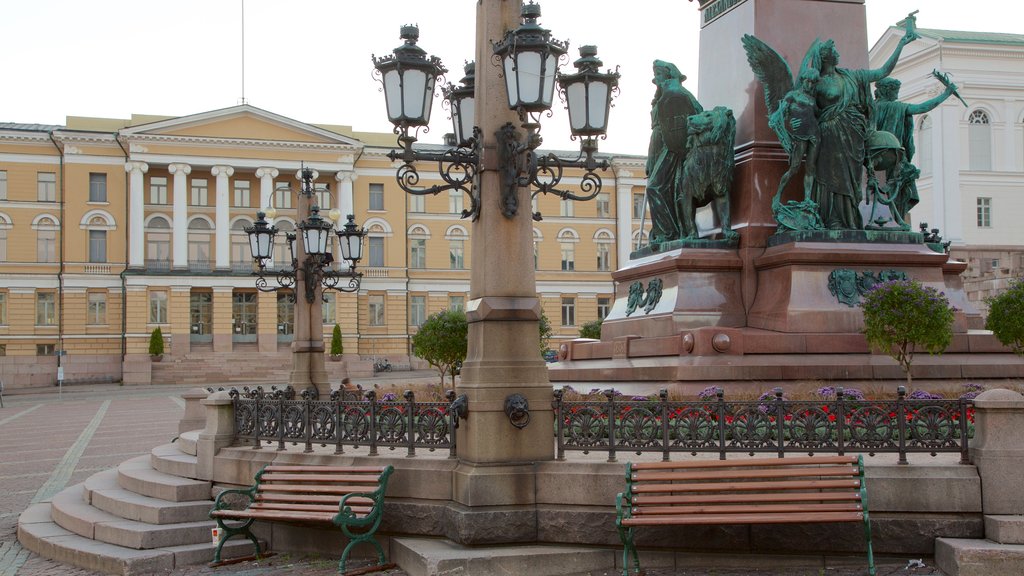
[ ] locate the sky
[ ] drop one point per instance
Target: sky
(310, 59)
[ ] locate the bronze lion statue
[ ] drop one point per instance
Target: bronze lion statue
(707, 171)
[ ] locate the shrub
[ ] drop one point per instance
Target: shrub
(591, 330)
(901, 317)
(336, 348)
(156, 342)
(1006, 316)
(442, 341)
(545, 332)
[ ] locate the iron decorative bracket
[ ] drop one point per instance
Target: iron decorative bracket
(457, 167)
(315, 273)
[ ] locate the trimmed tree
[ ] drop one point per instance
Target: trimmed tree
(902, 317)
(545, 332)
(156, 342)
(442, 341)
(336, 347)
(591, 329)
(1006, 316)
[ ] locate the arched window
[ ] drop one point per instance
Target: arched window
(158, 243)
(282, 249)
(97, 239)
(375, 235)
(979, 136)
(199, 234)
(537, 239)
(924, 145)
(46, 239)
(418, 236)
(241, 254)
(5, 225)
(603, 241)
(456, 248)
(567, 240)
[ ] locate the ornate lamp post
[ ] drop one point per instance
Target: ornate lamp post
(311, 272)
(497, 166)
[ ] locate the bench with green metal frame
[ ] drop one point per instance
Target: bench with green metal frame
(754, 491)
(350, 497)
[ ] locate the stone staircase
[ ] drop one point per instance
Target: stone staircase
(1000, 553)
(247, 366)
(147, 515)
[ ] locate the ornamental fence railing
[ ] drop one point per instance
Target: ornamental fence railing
(345, 419)
(772, 425)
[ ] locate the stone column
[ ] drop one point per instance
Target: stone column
(345, 179)
(997, 449)
(181, 320)
(222, 232)
(623, 218)
(222, 327)
(195, 414)
(308, 342)
(266, 176)
(946, 186)
(137, 214)
(180, 215)
(219, 432)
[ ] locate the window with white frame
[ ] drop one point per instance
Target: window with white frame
(604, 306)
(158, 241)
(244, 315)
(536, 249)
(417, 203)
(638, 206)
(46, 186)
(282, 250)
(603, 255)
(199, 234)
(329, 308)
(240, 194)
(456, 250)
(200, 192)
(984, 212)
(376, 196)
(418, 253)
(568, 311)
(97, 246)
(376, 251)
(3, 308)
(376, 309)
(97, 187)
(455, 201)
(241, 254)
(417, 310)
(282, 196)
(566, 209)
(3, 242)
(979, 135)
(322, 195)
(46, 308)
(96, 313)
(157, 190)
(568, 250)
(158, 307)
(604, 205)
(924, 145)
(3, 184)
(457, 302)
(46, 240)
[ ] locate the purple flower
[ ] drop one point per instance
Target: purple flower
(638, 398)
(827, 392)
(708, 393)
(389, 397)
(924, 395)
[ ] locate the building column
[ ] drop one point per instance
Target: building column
(179, 257)
(223, 329)
(222, 231)
(345, 179)
(180, 308)
(137, 214)
(623, 218)
(266, 176)
(946, 175)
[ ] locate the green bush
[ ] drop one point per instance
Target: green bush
(442, 341)
(1006, 316)
(156, 342)
(336, 347)
(545, 332)
(591, 330)
(902, 316)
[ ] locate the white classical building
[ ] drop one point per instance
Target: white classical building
(971, 157)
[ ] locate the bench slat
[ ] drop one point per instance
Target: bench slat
(737, 498)
(314, 489)
(744, 518)
(309, 498)
(747, 486)
(275, 515)
(354, 478)
(756, 462)
(310, 507)
(794, 508)
(327, 469)
(745, 474)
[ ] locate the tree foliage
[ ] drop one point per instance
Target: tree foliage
(442, 341)
(591, 329)
(901, 317)
(156, 342)
(336, 347)
(1006, 316)
(545, 332)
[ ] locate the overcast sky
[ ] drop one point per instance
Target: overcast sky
(310, 59)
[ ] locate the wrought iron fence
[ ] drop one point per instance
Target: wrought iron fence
(345, 419)
(773, 425)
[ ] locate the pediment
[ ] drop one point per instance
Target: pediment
(242, 122)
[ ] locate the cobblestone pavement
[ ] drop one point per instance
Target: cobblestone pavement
(49, 442)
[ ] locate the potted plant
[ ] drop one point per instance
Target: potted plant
(336, 348)
(156, 345)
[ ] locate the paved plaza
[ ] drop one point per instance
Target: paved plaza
(50, 441)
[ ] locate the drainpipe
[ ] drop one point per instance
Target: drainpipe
(124, 270)
(60, 258)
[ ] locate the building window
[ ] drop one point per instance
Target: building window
(568, 256)
(200, 192)
(567, 208)
(199, 232)
(97, 187)
(322, 195)
(46, 186)
(46, 240)
(455, 201)
(3, 308)
(638, 206)
(3, 184)
(376, 316)
(285, 314)
(376, 253)
(457, 303)
(417, 310)
(240, 198)
(282, 195)
(3, 245)
(984, 212)
(456, 254)
(3, 349)
(417, 253)
(604, 306)
(536, 249)
(157, 190)
(96, 312)
(603, 256)
(604, 205)
(200, 315)
(244, 315)
(924, 145)
(568, 311)
(158, 242)
(46, 309)
(97, 245)
(376, 196)
(46, 349)
(329, 308)
(417, 203)
(158, 307)
(979, 134)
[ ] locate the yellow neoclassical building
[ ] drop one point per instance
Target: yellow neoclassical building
(110, 228)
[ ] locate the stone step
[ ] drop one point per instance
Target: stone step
(434, 557)
(188, 441)
(978, 557)
(169, 459)
(102, 491)
(71, 512)
(137, 475)
(38, 533)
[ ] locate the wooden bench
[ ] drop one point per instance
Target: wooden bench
(350, 497)
(755, 491)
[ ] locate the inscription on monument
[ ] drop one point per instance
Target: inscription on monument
(638, 297)
(715, 8)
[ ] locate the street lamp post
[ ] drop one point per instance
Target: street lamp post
(311, 271)
(511, 85)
